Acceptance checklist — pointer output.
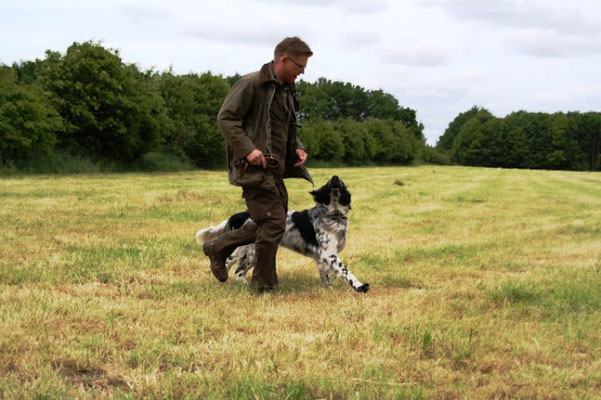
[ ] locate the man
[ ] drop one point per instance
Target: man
(257, 120)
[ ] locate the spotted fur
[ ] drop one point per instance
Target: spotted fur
(318, 233)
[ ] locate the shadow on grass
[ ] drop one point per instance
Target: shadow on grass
(290, 282)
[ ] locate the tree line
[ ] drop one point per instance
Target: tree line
(568, 141)
(87, 104)
(345, 122)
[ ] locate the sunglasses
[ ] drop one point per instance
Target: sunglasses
(300, 66)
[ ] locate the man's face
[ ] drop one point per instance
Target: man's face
(293, 67)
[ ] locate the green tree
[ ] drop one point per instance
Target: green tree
(27, 71)
(529, 140)
(28, 122)
(322, 141)
(193, 102)
(564, 148)
(535, 129)
(470, 141)
(394, 143)
(584, 129)
(406, 143)
(111, 111)
(331, 100)
(445, 142)
(353, 137)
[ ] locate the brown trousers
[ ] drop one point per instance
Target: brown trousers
(267, 205)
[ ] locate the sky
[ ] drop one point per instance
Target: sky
(438, 57)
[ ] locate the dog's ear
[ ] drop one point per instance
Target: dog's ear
(321, 196)
(345, 198)
(345, 195)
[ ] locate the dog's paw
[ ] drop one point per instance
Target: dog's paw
(363, 288)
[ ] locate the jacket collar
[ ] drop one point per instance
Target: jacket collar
(266, 75)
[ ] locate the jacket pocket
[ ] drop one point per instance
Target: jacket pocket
(253, 177)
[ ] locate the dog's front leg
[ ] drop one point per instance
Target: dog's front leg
(329, 258)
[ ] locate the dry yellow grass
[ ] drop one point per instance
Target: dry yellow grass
(486, 283)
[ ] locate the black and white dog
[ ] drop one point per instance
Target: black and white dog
(319, 233)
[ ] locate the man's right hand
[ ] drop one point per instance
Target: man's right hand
(257, 158)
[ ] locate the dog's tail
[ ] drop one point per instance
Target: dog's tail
(233, 222)
(210, 233)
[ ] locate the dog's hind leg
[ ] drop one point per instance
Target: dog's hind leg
(239, 257)
(242, 269)
(245, 261)
(232, 259)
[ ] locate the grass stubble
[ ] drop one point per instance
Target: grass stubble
(486, 283)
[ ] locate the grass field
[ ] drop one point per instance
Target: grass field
(485, 283)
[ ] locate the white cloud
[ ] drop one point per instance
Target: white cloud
(551, 44)
(139, 11)
(361, 7)
(562, 16)
(537, 28)
(424, 54)
(245, 34)
(439, 57)
(356, 38)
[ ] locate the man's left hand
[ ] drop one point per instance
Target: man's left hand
(302, 157)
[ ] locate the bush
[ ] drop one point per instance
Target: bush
(163, 161)
(322, 141)
(432, 156)
(56, 163)
(353, 137)
(394, 143)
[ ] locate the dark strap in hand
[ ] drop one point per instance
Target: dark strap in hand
(241, 164)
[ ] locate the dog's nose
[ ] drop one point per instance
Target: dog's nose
(335, 181)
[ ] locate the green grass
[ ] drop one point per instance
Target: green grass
(485, 283)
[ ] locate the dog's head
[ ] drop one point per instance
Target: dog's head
(334, 195)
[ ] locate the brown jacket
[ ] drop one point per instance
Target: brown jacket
(244, 121)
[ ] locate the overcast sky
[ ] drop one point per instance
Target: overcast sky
(439, 57)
